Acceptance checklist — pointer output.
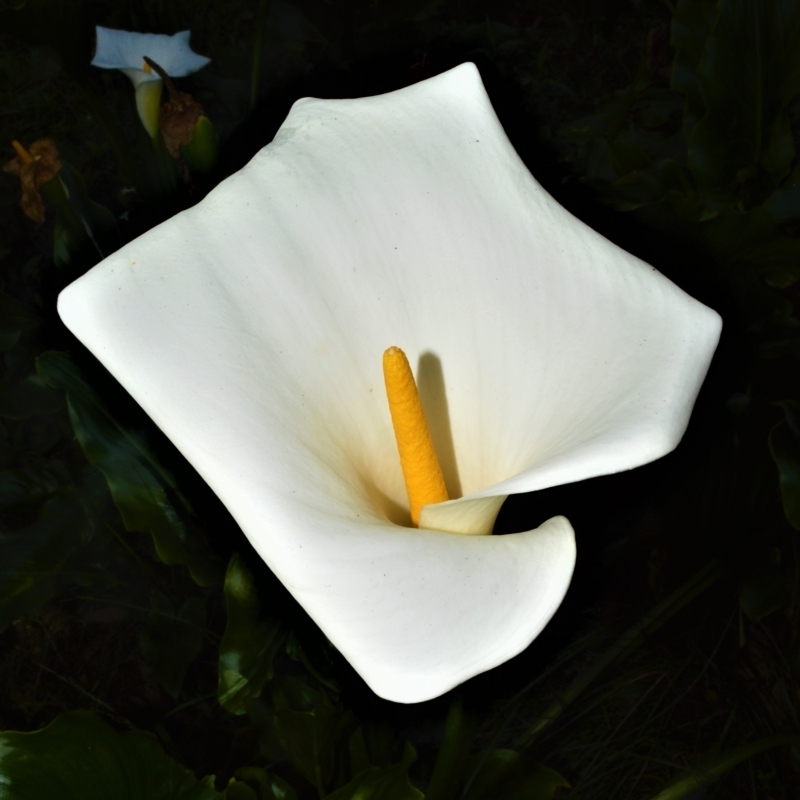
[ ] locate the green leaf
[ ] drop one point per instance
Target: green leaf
(459, 732)
(784, 203)
(268, 786)
(15, 319)
(389, 783)
(80, 756)
(598, 163)
(249, 644)
(597, 124)
(140, 487)
(359, 754)
(321, 666)
(657, 115)
(201, 153)
(487, 770)
(694, 784)
(8, 338)
(171, 641)
(780, 348)
(784, 444)
(754, 238)
(259, 735)
(16, 315)
(29, 398)
(239, 791)
(692, 23)
(32, 484)
(781, 276)
(313, 730)
(647, 186)
(749, 73)
(736, 236)
(626, 157)
(506, 774)
(767, 587)
(84, 231)
(69, 543)
(34, 557)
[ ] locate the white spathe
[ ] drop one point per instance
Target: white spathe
(251, 328)
(125, 51)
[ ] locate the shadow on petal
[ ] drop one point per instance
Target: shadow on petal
(385, 505)
(432, 393)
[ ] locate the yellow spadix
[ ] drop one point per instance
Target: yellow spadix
(24, 156)
(421, 470)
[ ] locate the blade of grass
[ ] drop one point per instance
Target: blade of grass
(627, 644)
(610, 738)
(688, 785)
(513, 705)
(708, 661)
(109, 711)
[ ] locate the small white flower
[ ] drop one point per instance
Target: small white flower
(252, 326)
(126, 51)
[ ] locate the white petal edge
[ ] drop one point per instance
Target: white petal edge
(494, 594)
(126, 50)
(251, 329)
(469, 516)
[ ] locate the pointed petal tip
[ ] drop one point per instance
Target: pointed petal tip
(64, 302)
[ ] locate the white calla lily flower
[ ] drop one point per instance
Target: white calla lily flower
(251, 328)
(126, 50)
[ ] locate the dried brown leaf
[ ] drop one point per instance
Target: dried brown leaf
(34, 167)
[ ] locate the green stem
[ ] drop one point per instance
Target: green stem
(459, 731)
(164, 165)
(692, 783)
(759, 86)
(258, 50)
(194, 701)
(319, 783)
(796, 584)
(627, 643)
(56, 191)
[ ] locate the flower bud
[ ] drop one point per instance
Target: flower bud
(201, 152)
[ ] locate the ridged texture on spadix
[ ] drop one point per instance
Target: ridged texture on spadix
(251, 329)
(421, 471)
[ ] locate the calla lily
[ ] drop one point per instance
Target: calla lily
(125, 51)
(252, 326)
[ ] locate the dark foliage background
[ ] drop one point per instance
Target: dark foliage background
(148, 653)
